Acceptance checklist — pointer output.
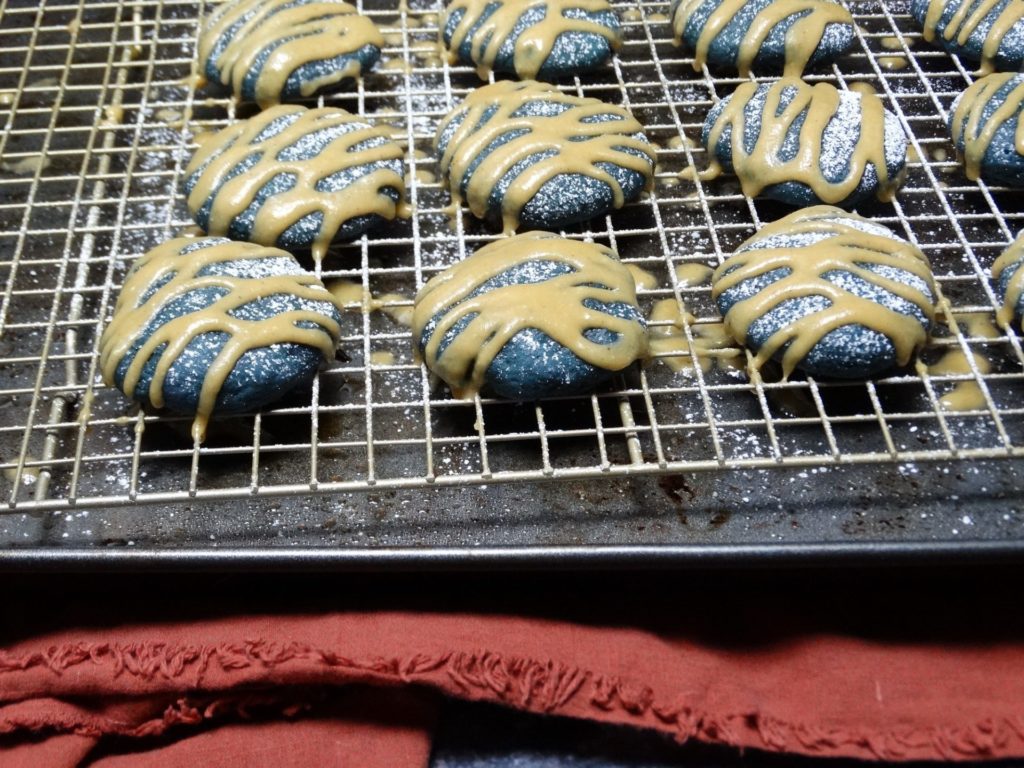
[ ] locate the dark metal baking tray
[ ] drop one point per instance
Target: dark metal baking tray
(375, 468)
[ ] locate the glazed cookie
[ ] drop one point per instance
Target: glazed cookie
(296, 178)
(208, 325)
(269, 51)
(528, 155)
(771, 36)
(827, 292)
(804, 144)
(987, 32)
(1009, 280)
(531, 316)
(544, 39)
(986, 129)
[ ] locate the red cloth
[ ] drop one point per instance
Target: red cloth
(266, 691)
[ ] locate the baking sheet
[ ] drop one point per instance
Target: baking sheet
(373, 466)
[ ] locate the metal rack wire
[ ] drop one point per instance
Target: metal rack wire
(99, 120)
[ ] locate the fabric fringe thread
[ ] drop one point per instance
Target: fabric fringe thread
(530, 684)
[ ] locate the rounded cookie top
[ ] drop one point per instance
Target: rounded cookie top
(772, 36)
(804, 144)
(827, 292)
(269, 51)
(208, 325)
(530, 316)
(526, 154)
(296, 178)
(986, 128)
(531, 38)
(989, 32)
(1008, 275)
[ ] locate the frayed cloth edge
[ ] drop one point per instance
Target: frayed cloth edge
(525, 683)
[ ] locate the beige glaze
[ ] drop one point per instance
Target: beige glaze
(846, 249)
(1013, 253)
(895, 44)
(967, 127)
(863, 88)
(534, 44)
(964, 22)
(604, 143)
(689, 275)
(802, 37)
(172, 117)
(668, 343)
(554, 307)
(201, 137)
(762, 168)
(391, 305)
(132, 315)
(347, 294)
(679, 142)
(298, 35)
(85, 408)
(29, 475)
(27, 165)
(350, 295)
(965, 395)
(642, 278)
(430, 60)
(892, 63)
(193, 81)
(362, 197)
(112, 116)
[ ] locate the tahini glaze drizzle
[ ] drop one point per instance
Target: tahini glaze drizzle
(846, 249)
(554, 307)
(762, 166)
(364, 196)
(602, 142)
(534, 44)
(965, 22)
(802, 37)
(1013, 255)
(711, 342)
(132, 316)
(351, 296)
(967, 126)
(693, 274)
(965, 395)
(295, 36)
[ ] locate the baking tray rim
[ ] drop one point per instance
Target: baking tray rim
(589, 557)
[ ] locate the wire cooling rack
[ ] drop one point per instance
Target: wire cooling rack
(100, 117)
